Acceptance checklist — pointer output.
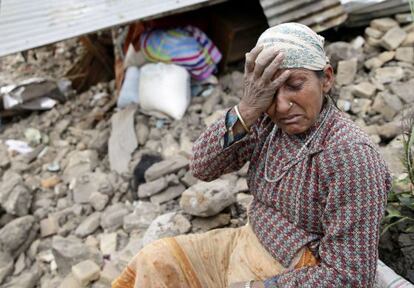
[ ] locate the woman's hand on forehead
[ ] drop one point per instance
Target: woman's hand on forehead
(263, 76)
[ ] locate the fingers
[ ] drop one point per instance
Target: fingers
(273, 67)
(251, 58)
(281, 79)
(263, 60)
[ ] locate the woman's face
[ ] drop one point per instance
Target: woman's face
(305, 90)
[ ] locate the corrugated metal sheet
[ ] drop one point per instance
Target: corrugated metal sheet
(318, 14)
(361, 12)
(26, 24)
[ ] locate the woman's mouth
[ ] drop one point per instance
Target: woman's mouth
(291, 119)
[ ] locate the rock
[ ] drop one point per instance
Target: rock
(151, 188)
(49, 226)
(393, 38)
(167, 166)
(404, 18)
(143, 215)
(170, 146)
(98, 201)
(188, 179)
(339, 51)
(374, 33)
(86, 272)
(85, 185)
(360, 106)
(50, 182)
(207, 198)
(209, 223)
(80, 163)
(384, 24)
(167, 225)
(364, 90)
(386, 56)
(113, 217)
(389, 74)
(16, 233)
(241, 185)
(123, 140)
(6, 265)
(373, 63)
(108, 243)
(404, 90)
(244, 200)
(89, 225)
(109, 273)
(346, 71)
(15, 197)
(28, 279)
(211, 102)
(70, 282)
(390, 130)
(392, 155)
(208, 121)
(387, 104)
(142, 132)
(99, 141)
(409, 40)
(70, 251)
(19, 265)
(169, 194)
(4, 157)
(405, 54)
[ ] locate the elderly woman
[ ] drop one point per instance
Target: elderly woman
(319, 184)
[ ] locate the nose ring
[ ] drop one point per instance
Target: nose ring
(290, 104)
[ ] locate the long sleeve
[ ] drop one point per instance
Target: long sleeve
(212, 158)
(357, 182)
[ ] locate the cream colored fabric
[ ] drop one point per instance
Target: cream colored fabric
(303, 48)
(213, 259)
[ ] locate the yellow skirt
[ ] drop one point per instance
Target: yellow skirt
(213, 259)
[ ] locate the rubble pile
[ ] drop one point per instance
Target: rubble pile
(99, 183)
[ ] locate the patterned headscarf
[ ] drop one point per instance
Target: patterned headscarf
(303, 48)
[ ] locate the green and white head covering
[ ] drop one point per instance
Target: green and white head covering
(303, 48)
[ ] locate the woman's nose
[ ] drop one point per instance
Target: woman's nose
(283, 103)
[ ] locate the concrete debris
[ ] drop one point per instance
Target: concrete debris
(207, 198)
(86, 272)
(165, 167)
(89, 225)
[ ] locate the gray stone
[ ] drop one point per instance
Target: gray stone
(80, 163)
(392, 155)
(19, 265)
(4, 157)
(409, 40)
(70, 282)
(364, 90)
(88, 183)
(404, 90)
(142, 131)
(143, 215)
(188, 179)
(151, 188)
(89, 225)
(113, 217)
(28, 279)
(208, 198)
(389, 74)
(6, 265)
(70, 251)
(241, 186)
(386, 56)
(206, 224)
(86, 272)
(15, 233)
(405, 54)
(166, 225)
(339, 51)
(374, 33)
(393, 38)
(169, 194)
(244, 200)
(15, 197)
(99, 141)
(49, 226)
(108, 243)
(404, 18)
(361, 106)
(373, 63)
(387, 104)
(383, 24)
(165, 167)
(390, 130)
(346, 71)
(98, 201)
(170, 146)
(213, 100)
